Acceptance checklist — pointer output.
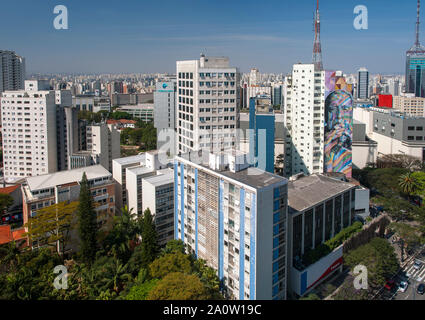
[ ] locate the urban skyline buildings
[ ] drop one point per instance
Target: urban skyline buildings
(12, 71)
(415, 64)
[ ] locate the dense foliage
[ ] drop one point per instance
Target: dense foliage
(327, 247)
(128, 265)
(380, 259)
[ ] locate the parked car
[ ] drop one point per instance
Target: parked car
(403, 286)
(417, 265)
(390, 285)
(421, 289)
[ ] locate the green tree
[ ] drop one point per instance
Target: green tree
(208, 277)
(174, 246)
(379, 258)
(408, 184)
(116, 274)
(52, 225)
(173, 262)
(419, 176)
(124, 231)
(409, 234)
(149, 246)
(142, 290)
(87, 219)
(179, 286)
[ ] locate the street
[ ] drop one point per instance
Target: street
(413, 277)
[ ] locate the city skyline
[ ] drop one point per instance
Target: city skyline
(143, 37)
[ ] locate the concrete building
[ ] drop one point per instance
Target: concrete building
(279, 134)
(363, 84)
(158, 197)
(165, 113)
(145, 181)
(261, 134)
(45, 190)
(234, 217)
(304, 120)
(128, 172)
(145, 111)
(319, 207)
(412, 106)
(207, 98)
(30, 129)
(277, 95)
(12, 71)
(394, 132)
(119, 174)
(83, 102)
(365, 150)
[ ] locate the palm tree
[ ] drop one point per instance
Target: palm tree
(408, 184)
(116, 274)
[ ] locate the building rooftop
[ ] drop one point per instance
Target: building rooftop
(8, 235)
(161, 179)
(308, 191)
(132, 159)
(63, 177)
(252, 177)
(140, 170)
(9, 190)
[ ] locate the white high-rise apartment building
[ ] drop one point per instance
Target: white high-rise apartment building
(207, 104)
(304, 115)
(30, 129)
(12, 71)
(235, 218)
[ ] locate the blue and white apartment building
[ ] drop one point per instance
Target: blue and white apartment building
(234, 217)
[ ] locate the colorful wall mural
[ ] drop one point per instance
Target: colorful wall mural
(338, 124)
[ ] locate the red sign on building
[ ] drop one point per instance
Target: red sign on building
(385, 101)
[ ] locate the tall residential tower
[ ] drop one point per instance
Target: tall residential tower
(207, 99)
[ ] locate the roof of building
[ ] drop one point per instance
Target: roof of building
(251, 176)
(254, 177)
(63, 177)
(8, 235)
(9, 190)
(310, 190)
(140, 170)
(120, 121)
(131, 159)
(161, 179)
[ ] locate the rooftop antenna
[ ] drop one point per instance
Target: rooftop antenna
(317, 48)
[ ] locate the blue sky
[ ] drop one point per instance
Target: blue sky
(149, 36)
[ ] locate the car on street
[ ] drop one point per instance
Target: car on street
(417, 265)
(390, 285)
(403, 286)
(421, 289)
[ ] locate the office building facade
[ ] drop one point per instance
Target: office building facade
(12, 71)
(363, 84)
(165, 114)
(206, 104)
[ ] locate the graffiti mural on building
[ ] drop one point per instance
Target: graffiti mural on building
(338, 125)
